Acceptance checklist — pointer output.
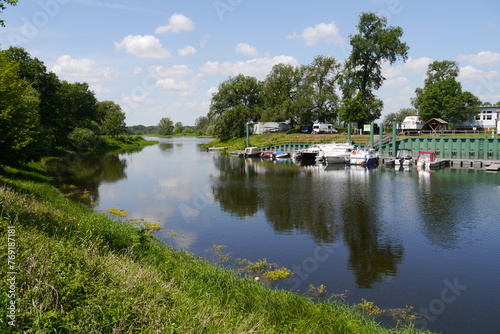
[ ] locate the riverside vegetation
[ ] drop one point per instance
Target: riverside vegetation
(80, 271)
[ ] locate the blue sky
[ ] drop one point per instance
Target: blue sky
(166, 58)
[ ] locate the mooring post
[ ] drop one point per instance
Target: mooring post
(394, 138)
(248, 134)
(372, 135)
(349, 132)
(381, 138)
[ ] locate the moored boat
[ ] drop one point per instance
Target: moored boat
(404, 158)
(310, 153)
(268, 155)
(337, 153)
(363, 156)
(425, 158)
(252, 152)
(281, 155)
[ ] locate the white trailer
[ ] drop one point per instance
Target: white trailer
(412, 123)
(323, 128)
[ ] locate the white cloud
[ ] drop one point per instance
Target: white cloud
(247, 50)
(83, 69)
(483, 58)
(483, 84)
(99, 89)
(176, 23)
(329, 33)
(258, 67)
(174, 71)
(146, 46)
(186, 51)
(172, 85)
(410, 67)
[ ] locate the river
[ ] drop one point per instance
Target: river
(428, 239)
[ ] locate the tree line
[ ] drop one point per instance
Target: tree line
(40, 113)
(328, 91)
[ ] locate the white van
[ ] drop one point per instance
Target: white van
(323, 128)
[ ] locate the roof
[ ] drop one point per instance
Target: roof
(436, 121)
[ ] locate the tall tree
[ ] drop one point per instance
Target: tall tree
(19, 119)
(46, 83)
(442, 95)
(237, 100)
(112, 118)
(280, 93)
(78, 109)
(373, 44)
(319, 88)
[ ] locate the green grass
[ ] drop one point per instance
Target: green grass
(79, 271)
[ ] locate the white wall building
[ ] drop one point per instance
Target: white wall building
(487, 119)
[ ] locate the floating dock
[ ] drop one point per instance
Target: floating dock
(494, 167)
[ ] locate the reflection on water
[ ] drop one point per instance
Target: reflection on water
(88, 173)
(392, 236)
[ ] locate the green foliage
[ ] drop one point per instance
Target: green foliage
(165, 127)
(201, 125)
(399, 116)
(369, 308)
(18, 114)
(113, 118)
(442, 95)
(236, 102)
(83, 139)
(373, 44)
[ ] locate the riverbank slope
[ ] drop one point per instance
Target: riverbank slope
(75, 270)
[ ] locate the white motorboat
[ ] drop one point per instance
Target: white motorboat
(365, 156)
(336, 153)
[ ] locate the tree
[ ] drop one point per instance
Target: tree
(78, 109)
(237, 99)
(201, 125)
(178, 127)
(165, 127)
(373, 44)
(442, 95)
(319, 87)
(112, 118)
(280, 93)
(399, 116)
(2, 7)
(19, 119)
(47, 84)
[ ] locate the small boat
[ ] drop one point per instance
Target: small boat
(364, 157)
(252, 152)
(268, 155)
(425, 158)
(281, 155)
(404, 158)
(310, 153)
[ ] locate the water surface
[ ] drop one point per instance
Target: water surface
(429, 239)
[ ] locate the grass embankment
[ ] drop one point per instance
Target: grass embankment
(265, 140)
(79, 271)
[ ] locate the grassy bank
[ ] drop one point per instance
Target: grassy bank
(75, 270)
(280, 138)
